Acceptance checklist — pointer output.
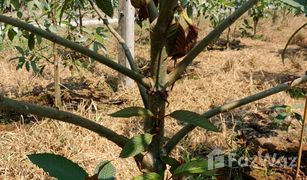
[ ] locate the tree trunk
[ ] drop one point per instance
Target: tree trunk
(126, 30)
(155, 126)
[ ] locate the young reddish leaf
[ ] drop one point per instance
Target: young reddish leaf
(136, 145)
(58, 166)
(142, 12)
(193, 118)
(181, 36)
(132, 111)
(176, 41)
(191, 39)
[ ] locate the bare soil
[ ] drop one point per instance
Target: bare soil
(216, 77)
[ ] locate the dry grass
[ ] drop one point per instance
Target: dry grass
(215, 78)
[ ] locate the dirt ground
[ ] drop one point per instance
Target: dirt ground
(215, 78)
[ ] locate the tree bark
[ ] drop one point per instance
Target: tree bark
(126, 30)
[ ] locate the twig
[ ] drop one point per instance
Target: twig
(288, 42)
(299, 158)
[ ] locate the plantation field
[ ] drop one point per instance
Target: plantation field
(216, 77)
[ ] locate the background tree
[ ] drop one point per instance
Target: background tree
(126, 31)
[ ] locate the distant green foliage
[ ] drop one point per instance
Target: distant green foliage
(33, 55)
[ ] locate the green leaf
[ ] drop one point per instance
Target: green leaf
(64, 7)
(106, 6)
(16, 4)
(193, 118)
(298, 117)
(95, 47)
(58, 166)
(296, 93)
(31, 41)
(21, 62)
(136, 145)
(115, 3)
(27, 66)
(19, 49)
(105, 171)
(280, 117)
(11, 34)
(53, 29)
(39, 39)
(41, 69)
(298, 4)
(279, 107)
(148, 176)
(132, 111)
(19, 14)
(34, 67)
(194, 167)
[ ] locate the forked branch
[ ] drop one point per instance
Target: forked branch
(27, 108)
(229, 106)
(78, 48)
(187, 60)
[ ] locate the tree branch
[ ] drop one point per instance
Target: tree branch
(152, 11)
(232, 105)
(288, 42)
(187, 60)
(27, 108)
(158, 39)
(76, 47)
(126, 49)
